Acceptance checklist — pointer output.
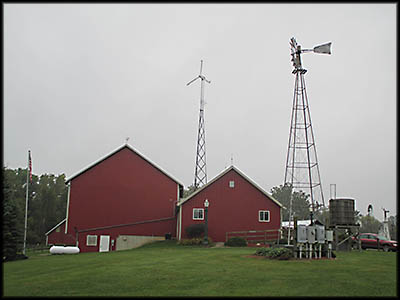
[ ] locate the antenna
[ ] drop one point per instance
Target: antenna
(200, 175)
(302, 171)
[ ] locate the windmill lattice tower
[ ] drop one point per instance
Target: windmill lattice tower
(200, 174)
(302, 170)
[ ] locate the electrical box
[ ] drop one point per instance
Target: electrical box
(311, 234)
(329, 235)
(301, 234)
(320, 234)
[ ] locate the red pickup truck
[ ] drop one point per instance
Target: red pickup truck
(370, 241)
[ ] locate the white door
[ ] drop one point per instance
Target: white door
(104, 243)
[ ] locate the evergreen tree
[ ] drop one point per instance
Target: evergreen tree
(11, 235)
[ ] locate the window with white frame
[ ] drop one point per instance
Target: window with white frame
(231, 184)
(263, 215)
(198, 213)
(91, 240)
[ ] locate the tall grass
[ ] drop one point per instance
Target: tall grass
(167, 269)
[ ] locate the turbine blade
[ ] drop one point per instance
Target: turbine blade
(193, 80)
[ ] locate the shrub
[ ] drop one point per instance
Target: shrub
(275, 253)
(261, 251)
(195, 230)
(236, 241)
(190, 242)
(194, 242)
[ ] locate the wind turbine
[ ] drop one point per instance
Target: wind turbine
(200, 175)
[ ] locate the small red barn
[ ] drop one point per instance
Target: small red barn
(57, 236)
(118, 202)
(236, 203)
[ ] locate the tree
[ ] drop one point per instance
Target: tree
(47, 201)
(369, 224)
(47, 206)
(190, 190)
(300, 202)
(11, 235)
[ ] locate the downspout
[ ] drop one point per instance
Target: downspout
(66, 215)
(179, 217)
(180, 222)
(76, 237)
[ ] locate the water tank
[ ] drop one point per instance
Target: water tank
(341, 211)
(64, 250)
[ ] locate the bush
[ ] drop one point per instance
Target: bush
(236, 241)
(194, 242)
(190, 242)
(261, 251)
(275, 253)
(195, 230)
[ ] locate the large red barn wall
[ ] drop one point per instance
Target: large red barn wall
(149, 229)
(231, 209)
(122, 189)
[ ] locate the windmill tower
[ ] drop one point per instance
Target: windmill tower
(302, 170)
(384, 230)
(200, 173)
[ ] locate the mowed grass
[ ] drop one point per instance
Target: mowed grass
(167, 269)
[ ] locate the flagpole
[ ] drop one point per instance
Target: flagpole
(26, 203)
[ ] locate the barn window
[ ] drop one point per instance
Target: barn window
(263, 215)
(231, 184)
(198, 214)
(58, 229)
(91, 240)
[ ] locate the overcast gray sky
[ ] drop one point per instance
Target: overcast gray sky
(80, 78)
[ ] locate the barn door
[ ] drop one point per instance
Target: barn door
(104, 243)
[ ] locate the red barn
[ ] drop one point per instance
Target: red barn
(57, 236)
(236, 203)
(120, 201)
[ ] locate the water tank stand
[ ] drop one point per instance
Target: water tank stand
(354, 231)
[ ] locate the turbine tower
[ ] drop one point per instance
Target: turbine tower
(200, 173)
(302, 170)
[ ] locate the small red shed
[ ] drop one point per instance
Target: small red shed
(236, 203)
(119, 201)
(57, 236)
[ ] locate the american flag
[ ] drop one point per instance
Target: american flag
(30, 166)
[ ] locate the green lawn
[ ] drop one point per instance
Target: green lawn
(166, 269)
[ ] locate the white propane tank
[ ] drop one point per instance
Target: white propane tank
(64, 250)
